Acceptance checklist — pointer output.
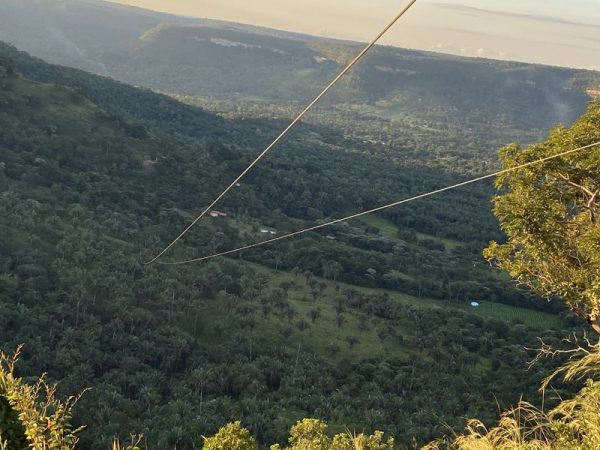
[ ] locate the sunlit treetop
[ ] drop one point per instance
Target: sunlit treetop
(551, 215)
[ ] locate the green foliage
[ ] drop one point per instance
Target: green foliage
(12, 433)
(7, 67)
(353, 441)
(231, 437)
(306, 434)
(176, 353)
(309, 434)
(550, 214)
(30, 415)
(98, 174)
(134, 443)
(573, 424)
(576, 422)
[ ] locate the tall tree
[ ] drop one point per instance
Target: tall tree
(231, 437)
(551, 215)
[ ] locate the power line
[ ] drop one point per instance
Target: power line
(380, 208)
(289, 127)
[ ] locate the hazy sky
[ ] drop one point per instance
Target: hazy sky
(557, 32)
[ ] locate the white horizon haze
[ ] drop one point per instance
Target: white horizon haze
(554, 32)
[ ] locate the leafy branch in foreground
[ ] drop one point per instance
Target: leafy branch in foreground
(30, 415)
(551, 215)
(306, 434)
(572, 425)
(134, 443)
(584, 360)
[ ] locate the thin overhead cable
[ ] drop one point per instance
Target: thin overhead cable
(289, 127)
(380, 208)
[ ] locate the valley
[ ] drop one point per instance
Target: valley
(391, 322)
(74, 176)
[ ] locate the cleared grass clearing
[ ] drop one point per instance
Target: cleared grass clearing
(390, 230)
(533, 319)
(353, 339)
(356, 337)
(386, 228)
(514, 314)
(448, 243)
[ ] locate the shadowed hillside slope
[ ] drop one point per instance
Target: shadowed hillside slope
(230, 61)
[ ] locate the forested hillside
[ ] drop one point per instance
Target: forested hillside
(480, 104)
(399, 105)
(366, 325)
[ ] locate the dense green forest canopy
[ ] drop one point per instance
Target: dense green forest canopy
(367, 325)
